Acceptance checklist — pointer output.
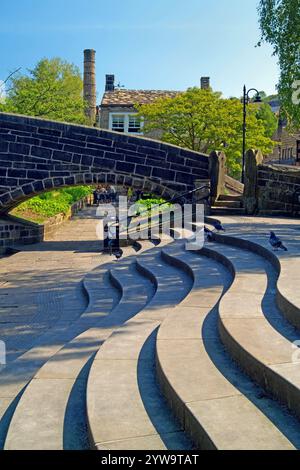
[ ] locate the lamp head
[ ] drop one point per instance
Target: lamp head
(257, 99)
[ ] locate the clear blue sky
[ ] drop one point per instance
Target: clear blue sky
(147, 44)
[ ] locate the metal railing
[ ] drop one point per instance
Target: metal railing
(182, 198)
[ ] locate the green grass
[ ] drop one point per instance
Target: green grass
(46, 205)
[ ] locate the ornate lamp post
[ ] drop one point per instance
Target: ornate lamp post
(246, 100)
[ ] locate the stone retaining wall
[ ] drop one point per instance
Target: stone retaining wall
(52, 224)
(16, 231)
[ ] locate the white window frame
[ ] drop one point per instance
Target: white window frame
(126, 122)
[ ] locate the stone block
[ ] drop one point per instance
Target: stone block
(62, 156)
(4, 147)
(164, 174)
(41, 152)
(125, 167)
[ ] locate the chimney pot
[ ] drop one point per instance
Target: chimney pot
(109, 82)
(205, 83)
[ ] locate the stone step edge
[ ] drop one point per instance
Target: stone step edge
(145, 271)
(288, 309)
(183, 410)
(279, 386)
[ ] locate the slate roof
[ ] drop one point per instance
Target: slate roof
(122, 97)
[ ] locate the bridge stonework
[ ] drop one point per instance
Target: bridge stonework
(37, 155)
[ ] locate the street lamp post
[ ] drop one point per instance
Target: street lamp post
(246, 100)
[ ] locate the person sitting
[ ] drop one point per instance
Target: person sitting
(102, 196)
(95, 196)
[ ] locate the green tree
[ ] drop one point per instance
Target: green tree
(280, 27)
(270, 121)
(53, 89)
(202, 120)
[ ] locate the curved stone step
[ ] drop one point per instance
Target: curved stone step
(52, 408)
(287, 264)
(16, 375)
(125, 407)
(252, 234)
(251, 326)
(216, 404)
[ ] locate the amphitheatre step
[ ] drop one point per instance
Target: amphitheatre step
(125, 407)
(15, 376)
(215, 402)
(251, 326)
(254, 232)
(57, 420)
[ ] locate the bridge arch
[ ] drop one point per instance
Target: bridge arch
(37, 155)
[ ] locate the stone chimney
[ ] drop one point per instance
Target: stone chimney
(109, 82)
(89, 83)
(205, 83)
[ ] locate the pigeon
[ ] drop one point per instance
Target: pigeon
(276, 243)
(118, 253)
(219, 227)
(136, 246)
(208, 234)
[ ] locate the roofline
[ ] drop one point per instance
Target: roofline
(117, 105)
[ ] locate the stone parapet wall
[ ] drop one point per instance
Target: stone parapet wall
(37, 155)
(277, 188)
(233, 185)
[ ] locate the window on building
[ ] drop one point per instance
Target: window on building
(134, 123)
(127, 122)
(118, 122)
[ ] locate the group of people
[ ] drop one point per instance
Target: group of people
(103, 195)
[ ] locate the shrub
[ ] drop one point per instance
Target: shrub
(51, 203)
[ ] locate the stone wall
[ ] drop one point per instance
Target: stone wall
(37, 155)
(15, 231)
(53, 223)
(278, 188)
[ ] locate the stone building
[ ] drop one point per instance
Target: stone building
(117, 110)
(287, 151)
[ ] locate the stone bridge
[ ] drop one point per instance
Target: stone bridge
(37, 155)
